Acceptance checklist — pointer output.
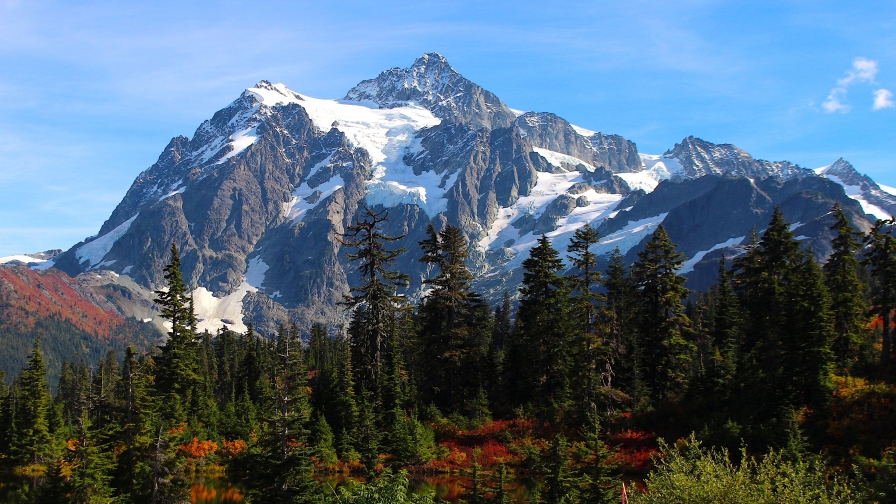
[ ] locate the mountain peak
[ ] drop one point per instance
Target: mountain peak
(272, 94)
(432, 83)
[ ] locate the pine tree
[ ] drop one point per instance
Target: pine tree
(177, 373)
(881, 257)
(725, 326)
(91, 465)
(31, 440)
(343, 406)
(454, 341)
(499, 486)
(475, 494)
(593, 360)
(785, 352)
(663, 328)
(847, 291)
(622, 372)
(374, 304)
(322, 439)
(561, 487)
(543, 347)
(599, 472)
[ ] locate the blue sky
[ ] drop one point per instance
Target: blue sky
(93, 91)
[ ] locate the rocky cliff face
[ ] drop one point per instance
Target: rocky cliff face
(432, 83)
(255, 198)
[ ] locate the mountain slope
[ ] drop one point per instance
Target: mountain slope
(255, 199)
(74, 318)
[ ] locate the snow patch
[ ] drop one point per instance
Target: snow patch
(240, 141)
(43, 266)
(582, 131)
(255, 271)
(215, 312)
(561, 160)
(296, 208)
(387, 135)
(95, 251)
(887, 189)
(630, 235)
(662, 167)
(688, 266)
(274, 94)
(855, 192)
(22, 258)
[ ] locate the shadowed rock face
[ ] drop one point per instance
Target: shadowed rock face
(551, 132)
(255, 199)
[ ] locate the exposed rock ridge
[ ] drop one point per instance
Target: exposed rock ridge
(434, 84)
(699, 157)
(548, 131)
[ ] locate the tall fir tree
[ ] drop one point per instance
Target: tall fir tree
(622, 373)
(592, 354)
(725, 328)
(785, 355)
(599, 470)
(376, 302)
(453, 337)
(847, 291)
(542, 343)
(31, 440)
(881, 257)
(663, 328)
(177, 367)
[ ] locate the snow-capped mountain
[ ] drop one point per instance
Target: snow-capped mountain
(255, 198)
(877, 200)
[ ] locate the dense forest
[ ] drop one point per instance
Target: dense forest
(774, 386)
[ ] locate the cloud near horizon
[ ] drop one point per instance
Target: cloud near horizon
(863, 70)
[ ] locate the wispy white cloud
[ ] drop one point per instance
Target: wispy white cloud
(883, 98)
(863, 71)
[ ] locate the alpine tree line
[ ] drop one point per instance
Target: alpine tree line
(747, 363)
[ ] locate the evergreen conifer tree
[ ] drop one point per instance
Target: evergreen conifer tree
(663, 328)
(598, 475)
(177, 372)
(622, 372)
(543, 344)
(31, 440)
(881, 257)
(847, 291)
(375, 303)
(593, 359)
(725, 326)
(452, 334)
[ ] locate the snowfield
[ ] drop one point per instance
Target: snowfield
(214, 312)
(95, 251)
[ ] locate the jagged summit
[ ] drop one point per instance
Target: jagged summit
(699, 157)
(873, 198)
(432, 83)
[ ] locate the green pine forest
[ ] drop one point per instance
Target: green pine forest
(775, 385)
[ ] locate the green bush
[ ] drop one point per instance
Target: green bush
(690, 474)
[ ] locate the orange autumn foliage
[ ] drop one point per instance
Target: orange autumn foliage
(198, 449)
(233, 448)
(862, 415)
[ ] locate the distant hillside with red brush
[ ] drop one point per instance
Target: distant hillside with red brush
(73, 321)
